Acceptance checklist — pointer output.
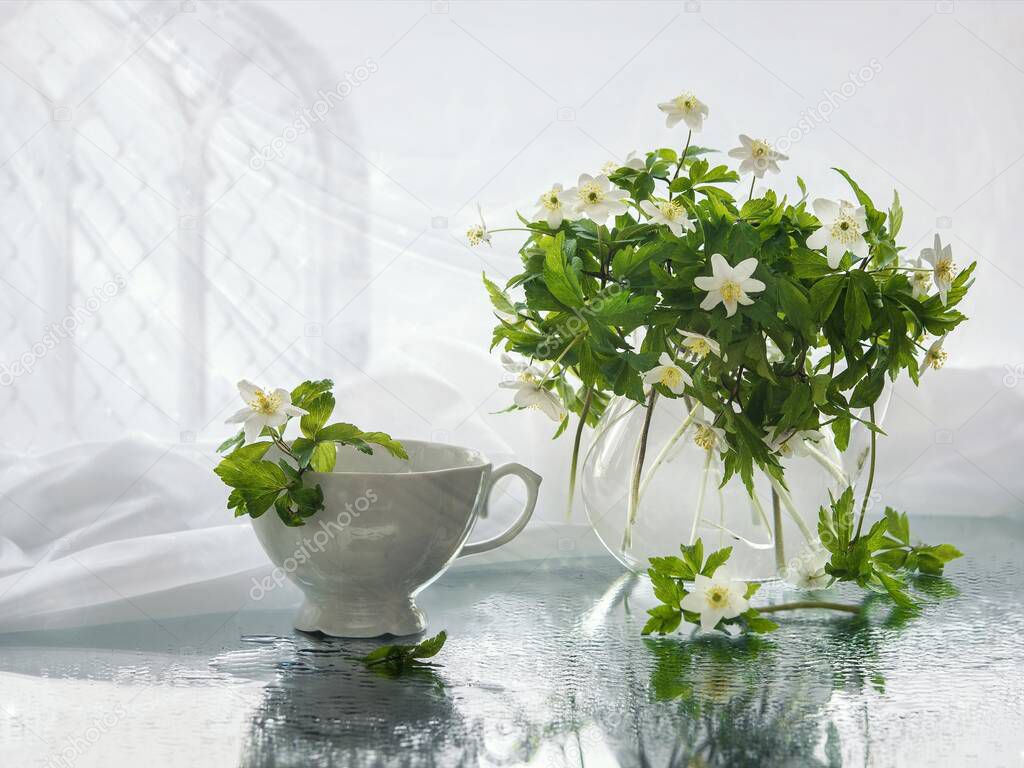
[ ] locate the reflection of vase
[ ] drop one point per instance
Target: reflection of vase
(678, 496)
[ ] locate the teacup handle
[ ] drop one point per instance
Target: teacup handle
(532, 482)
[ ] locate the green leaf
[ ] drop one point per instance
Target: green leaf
(324, 456)
(824, 294)
(559, 276)
(856, 315)
(340, 432)
(757, 623)
(895, 215)
(672, 566)
(715, 561)
(232, 442)
(308, 391)
(624, 310)
(898, 525)
(251, 475)
(430, 647)
(797, 308)
(319, 410)
(664, 619)
(895, 589)
(386, 442)
(666, 589)
(499, 299)
(743, 241)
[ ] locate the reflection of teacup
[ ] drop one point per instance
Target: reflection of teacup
(388, 528)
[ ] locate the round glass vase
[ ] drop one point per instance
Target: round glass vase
(680, 497)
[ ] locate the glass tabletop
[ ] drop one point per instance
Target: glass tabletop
(545, 666)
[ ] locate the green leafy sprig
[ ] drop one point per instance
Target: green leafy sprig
(258, 484)
(399, 659)
(881, 558)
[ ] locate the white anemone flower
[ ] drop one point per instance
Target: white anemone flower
(795, 444)
(594, 197)
(707, 436)
(262, 409)
(936, 356)
(670, 213)
(478, 232)
(941, 258)
(920, 279)
(715, 598)
(700, 345)
(729, 285)
(757, 156)
(686, 108)
(842, 229)
(530, 392)
(807, 569)
(552, 206)
(669, 374)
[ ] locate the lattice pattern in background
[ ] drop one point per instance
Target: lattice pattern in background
(176, 276)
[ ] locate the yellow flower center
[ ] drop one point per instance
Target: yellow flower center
(672, 377)
(844, 228)
(591, 193)
(551, 201)
(944, 270)
(759, 149)
(686, 102)
(264, 403)
(921, 280)
(717, 596)
(476, 235)
(699, 347)
(730, 290)
(937, 358)
(670, 209)
(705, 437)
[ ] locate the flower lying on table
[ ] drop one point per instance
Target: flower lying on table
(698, 590)
(257, 483)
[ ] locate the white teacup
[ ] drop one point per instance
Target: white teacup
(388, 529)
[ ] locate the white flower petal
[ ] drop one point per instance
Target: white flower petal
(826, 210)
(744, 269)
(253, 426)
(247, 390)
(239, 416)
(818, 239)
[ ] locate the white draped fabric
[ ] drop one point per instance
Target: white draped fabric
(198, 192)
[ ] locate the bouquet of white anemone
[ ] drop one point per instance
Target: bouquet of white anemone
(780, 319)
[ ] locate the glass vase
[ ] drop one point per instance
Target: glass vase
(678, 495)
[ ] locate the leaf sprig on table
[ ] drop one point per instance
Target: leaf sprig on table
(398, 659)
(881, 558)
(258, 484)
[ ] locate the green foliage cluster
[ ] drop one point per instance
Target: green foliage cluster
(258, 484)
(585, 287)
(882, 558)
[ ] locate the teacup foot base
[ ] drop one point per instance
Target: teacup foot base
(340, 619)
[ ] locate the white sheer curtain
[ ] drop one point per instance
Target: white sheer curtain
(196, 192)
